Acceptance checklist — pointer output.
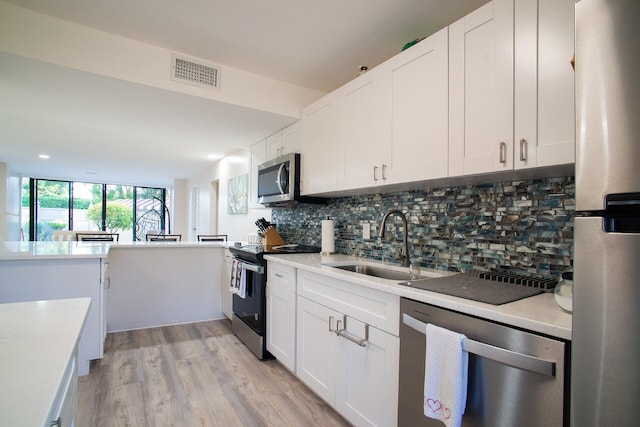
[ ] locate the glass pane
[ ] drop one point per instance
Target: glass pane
(87, 206)
(120, 211)
(53, 208)
(150, 212)
(24, 210)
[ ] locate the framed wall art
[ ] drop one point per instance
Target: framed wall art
(238, 195)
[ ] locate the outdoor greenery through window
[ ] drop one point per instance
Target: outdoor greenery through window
(50, 206)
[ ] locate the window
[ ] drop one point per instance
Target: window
(49, 206)
(152, 214)
(51, 212)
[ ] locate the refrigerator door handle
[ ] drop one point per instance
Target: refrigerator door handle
(501, 355)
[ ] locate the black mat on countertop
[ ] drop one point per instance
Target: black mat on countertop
(463, 286)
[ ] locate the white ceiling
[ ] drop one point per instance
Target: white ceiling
(99, 129)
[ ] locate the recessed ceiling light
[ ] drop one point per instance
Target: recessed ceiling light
(44, 156)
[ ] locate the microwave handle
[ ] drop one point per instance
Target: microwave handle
(279, 178)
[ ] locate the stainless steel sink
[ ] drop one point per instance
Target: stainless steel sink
(370, 270)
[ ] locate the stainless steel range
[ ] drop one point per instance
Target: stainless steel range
(249, 321)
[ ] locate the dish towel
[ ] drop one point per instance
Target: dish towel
(238, 283)
(445, 381)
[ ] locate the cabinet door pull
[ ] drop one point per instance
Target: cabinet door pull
(279, 275)
(523, 150)
(56, 423)
(375, 173)
(384, 172)
(330, 323)
(503, 152)
(362, 342)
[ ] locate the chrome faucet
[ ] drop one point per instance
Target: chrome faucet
(405, 257)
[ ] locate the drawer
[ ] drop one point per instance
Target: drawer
(376, 308)
(281, 276)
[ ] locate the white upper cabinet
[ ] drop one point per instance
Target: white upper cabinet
(416, 85)
(286, 141)
(481, 90)
(292, 139)
(512, 87)
(544, 83)
(274, 145)
(366, 147)
(391, 124)
(322, 161)
(258, 153)
(493, 92)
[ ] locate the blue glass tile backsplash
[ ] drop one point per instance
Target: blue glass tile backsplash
(525, 227)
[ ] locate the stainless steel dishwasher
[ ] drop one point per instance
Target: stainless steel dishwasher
(516, 378)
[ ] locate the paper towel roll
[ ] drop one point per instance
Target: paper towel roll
(328, 237)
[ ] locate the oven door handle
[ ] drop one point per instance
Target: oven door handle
(501, 355)
(252, 267)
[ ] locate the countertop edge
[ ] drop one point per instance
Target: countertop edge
(28, 251)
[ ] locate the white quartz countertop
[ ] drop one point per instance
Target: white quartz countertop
(55, 250)
(37, 341)
(539, 313)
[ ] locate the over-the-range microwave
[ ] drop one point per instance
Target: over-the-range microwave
(279, 182)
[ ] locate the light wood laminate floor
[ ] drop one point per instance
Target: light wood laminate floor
(196, 374)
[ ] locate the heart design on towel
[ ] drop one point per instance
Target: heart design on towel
(435, 406)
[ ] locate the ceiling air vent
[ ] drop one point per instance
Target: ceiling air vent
(199, 74)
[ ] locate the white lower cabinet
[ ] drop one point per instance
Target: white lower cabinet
(367, 386)
(281, 314)
(227, 296)
(316, 349)
(64, 413)
(351, 364)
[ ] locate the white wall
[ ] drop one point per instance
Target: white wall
(180, 208)
(4, 211)
(237, 227)
(10, 201)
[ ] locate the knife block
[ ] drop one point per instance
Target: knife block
(272, 238)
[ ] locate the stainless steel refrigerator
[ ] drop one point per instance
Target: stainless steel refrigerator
(605, 362)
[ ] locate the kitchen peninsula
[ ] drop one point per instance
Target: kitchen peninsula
(131, 285)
